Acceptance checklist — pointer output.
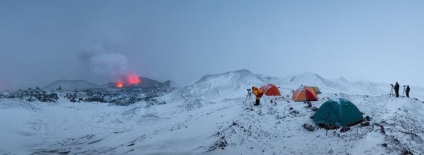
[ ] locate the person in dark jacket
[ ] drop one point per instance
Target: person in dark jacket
(397, 89)
(407, 90)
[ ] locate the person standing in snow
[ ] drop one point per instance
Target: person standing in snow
(397, 89)
(258, 93)
(407, 90)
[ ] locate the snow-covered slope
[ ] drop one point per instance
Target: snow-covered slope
(215, 87)
(206, 118)
(71, 85)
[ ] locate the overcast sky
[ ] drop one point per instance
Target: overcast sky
(45, 40)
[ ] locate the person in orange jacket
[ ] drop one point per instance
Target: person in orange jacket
(258, 93)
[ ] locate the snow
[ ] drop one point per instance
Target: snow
(210, 117)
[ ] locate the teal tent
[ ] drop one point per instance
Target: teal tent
(338, 112)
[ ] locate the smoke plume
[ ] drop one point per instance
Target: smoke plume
(105, 67)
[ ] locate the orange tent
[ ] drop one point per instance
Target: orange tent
(304, 94)
(271, 90)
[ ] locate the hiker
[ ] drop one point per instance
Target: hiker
(258, 93)
(397, 89)
(407, 90)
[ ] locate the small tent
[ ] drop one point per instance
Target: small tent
(338, 112)
(304, 94)
(271, 90)
(316, 89)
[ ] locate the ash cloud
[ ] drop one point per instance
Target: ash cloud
(104, 67)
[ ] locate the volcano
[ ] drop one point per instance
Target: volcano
(139, 82)
(131, 79)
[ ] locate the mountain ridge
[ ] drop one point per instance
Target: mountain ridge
(70, 85)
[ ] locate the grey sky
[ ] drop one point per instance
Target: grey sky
(380, 41)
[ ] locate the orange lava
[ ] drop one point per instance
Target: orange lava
(133, 78)
(119, 84)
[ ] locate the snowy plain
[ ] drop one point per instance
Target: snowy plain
(210, 116)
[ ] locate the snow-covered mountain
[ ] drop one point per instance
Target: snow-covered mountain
(71, 85)
(210, 116)
(214, 87)
(340, 85)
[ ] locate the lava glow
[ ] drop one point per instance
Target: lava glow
(133, 78)
(130, 79)
(119, 84)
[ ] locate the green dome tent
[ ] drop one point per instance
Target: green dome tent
(338, 112)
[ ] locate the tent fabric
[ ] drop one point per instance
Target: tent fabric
(316, 89)
(338, 112)
(271, 90)
(304, 94)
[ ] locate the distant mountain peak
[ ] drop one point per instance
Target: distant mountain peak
(212, 87)
(237, 73)
(71, 85)
(243, 71)
(310, 74)
(342, 79)
(306, 76)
